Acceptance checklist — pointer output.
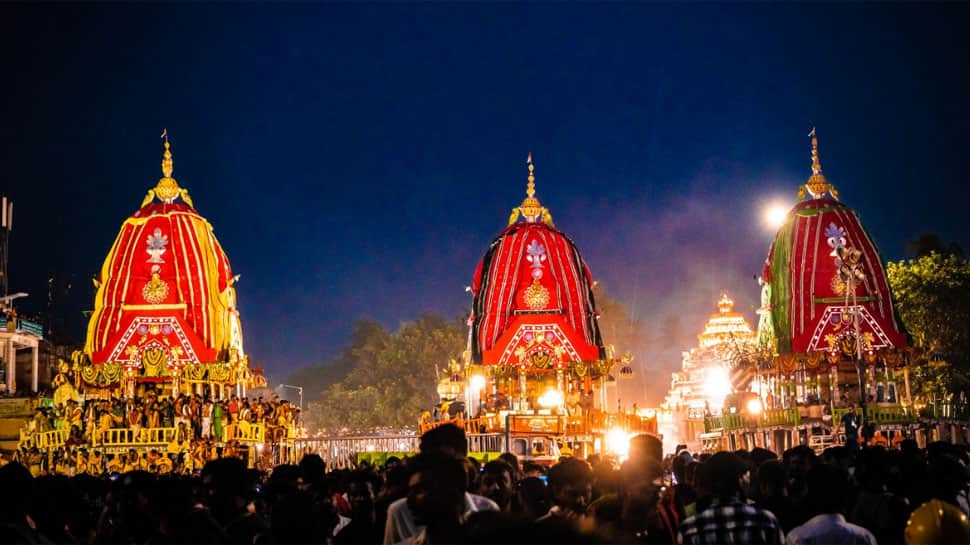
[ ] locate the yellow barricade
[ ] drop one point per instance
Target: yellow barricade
(43, 440)
(127, 437)
(52, 439)
(246, 432)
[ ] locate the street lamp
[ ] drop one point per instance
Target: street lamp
(298, 389)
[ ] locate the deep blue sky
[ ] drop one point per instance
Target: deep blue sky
(356, 160)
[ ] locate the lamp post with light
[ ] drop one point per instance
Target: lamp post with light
(298, 389)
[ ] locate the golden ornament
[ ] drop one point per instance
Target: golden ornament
(536, 296)
(155, 291)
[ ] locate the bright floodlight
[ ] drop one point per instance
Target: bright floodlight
(717, 386)
(477, 382)
(775, 214)
(754, 406)
(618, 442)
(551, 398)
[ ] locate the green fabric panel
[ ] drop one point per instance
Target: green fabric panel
(809, 212)
(780, 288)
(766, 327)
(831, 300)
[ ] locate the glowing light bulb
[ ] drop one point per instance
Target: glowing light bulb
(477, 382)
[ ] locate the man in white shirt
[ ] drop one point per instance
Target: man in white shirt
(402, 523)
(827, 489)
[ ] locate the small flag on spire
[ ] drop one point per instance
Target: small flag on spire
(164, 134)
(529, 159)
(812, 133)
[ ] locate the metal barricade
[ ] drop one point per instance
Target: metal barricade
(140, 437)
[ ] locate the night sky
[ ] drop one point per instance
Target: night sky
(356, 160)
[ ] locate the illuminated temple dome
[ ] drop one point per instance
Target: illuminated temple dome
(704, 380)
(725, 327)
(822, 270)
(165, 308)
(533, 300)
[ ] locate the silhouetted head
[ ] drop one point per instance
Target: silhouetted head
(436, 489)
(513, 462)
(495, 482)
(17, 484)
(646, 447)
(772, 479)
(571, 484)
(448, 438)
(313, 469)
(725, 474)
(828, 487)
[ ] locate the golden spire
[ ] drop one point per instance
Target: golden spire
(167, 189)
(167, 156)
(817, 185)
(531, 209)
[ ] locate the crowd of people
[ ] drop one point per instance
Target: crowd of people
(204, 429)
(440, 495)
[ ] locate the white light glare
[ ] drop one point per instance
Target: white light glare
(775, 214)
(477, 382)
(551, 398)
(717, 386)
(618, 442)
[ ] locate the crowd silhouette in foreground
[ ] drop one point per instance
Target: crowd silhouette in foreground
(440, 496)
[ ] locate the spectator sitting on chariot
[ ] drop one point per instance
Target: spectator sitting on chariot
(75, 414)
(95, 463)
(40, 421)
(75, 437)
(207, 419)
(117, 414)
(115, 464)
(233, 408)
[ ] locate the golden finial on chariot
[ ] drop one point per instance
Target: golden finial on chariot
(817, 184)
(531, 209)
(167, 189)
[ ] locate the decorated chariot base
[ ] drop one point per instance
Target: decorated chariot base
(829, 341)
(163, 366)
(535, 377)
